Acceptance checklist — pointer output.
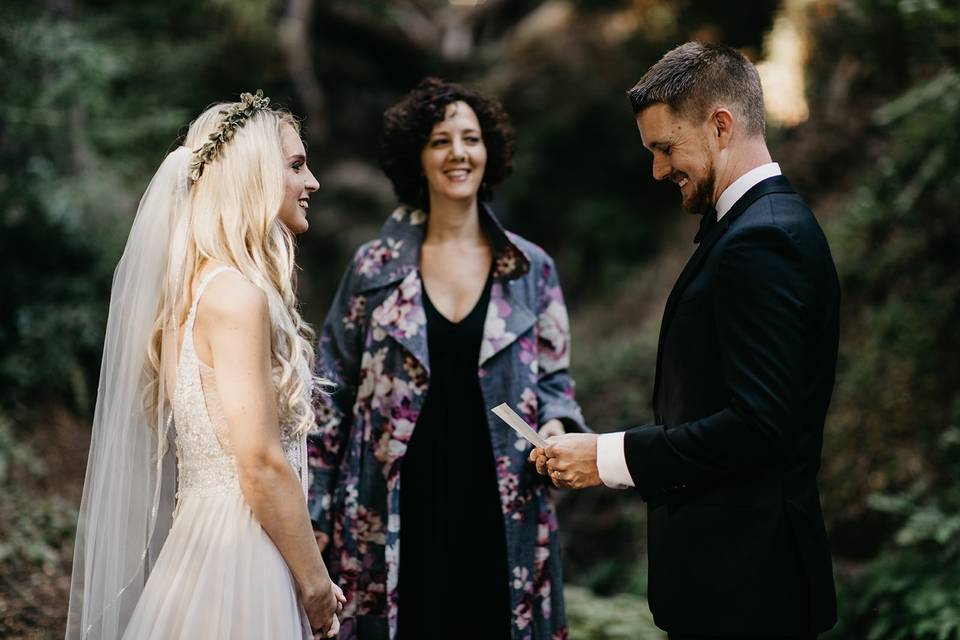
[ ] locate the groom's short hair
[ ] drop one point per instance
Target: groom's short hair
(695, 77)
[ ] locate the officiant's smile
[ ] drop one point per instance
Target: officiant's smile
(455, 156)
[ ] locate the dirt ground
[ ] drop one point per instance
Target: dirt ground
(41, 484)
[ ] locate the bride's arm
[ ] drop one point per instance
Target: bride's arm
(234, 322)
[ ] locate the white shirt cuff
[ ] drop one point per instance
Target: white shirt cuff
(611, 462)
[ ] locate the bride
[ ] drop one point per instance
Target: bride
(204, 336)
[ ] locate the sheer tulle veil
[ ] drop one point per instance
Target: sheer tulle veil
(128, 493)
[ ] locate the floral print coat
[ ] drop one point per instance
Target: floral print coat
(374, 347)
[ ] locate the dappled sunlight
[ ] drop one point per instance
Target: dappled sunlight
(782, 68)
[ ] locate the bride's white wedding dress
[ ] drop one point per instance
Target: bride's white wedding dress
(218, 574)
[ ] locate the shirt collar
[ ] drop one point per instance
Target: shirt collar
(743, 184)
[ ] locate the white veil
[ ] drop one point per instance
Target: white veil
(128, 492)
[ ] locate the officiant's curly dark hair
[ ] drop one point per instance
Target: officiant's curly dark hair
(407, 125)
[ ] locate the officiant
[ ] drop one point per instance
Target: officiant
(417, 487)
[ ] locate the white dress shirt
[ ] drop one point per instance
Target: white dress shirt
(611, 461)
(743, 184)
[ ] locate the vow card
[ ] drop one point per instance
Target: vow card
(508, 415)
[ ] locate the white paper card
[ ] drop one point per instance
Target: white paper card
(508, 415)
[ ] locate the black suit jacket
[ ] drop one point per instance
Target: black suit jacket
(745, 370)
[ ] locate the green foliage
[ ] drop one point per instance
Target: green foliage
(40, 532)
(611, 576)
(33, 529)
(51, 325)
(92, 106)
(13, 452)
(896, 414)
(896, 249)
(621, 617)
(912, 591)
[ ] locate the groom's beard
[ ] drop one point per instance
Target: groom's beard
(700, 201)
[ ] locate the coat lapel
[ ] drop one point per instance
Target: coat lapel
(401, 316)
(776, 184)
(508, 318)
(508, 315)
(392, 256)
(393, 260)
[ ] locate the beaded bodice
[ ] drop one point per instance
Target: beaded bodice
(206, 462)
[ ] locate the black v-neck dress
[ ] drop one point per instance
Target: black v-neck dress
(453, 579)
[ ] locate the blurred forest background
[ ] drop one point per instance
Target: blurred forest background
(864, 117)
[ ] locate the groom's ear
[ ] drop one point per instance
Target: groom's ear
(721, 126)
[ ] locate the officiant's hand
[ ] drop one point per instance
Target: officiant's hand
(570, 460)
(551, 428)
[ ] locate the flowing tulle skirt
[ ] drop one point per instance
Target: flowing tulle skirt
(218, 576)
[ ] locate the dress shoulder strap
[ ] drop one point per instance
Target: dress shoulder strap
(207, 279)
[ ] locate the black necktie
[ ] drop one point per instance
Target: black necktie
(706, 223)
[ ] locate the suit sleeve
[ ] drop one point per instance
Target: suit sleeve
(554, 385)
(338, 359)
(761, 302)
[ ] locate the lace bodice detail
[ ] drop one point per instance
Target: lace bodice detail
(206, 462)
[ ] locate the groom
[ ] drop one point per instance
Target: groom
(745, 370)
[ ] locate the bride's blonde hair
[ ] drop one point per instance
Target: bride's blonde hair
(234, 220)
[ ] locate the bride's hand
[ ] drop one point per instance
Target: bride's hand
(341, 599)
(332, 633)
(321, 607)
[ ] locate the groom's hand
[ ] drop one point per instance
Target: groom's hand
(537, 456)
(570, 460)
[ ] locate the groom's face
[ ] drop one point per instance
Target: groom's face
(681, 153)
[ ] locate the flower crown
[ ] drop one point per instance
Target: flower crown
(234, 117)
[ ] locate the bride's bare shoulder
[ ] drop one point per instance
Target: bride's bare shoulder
(230, 300)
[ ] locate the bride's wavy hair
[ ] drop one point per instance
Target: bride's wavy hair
(234, 219)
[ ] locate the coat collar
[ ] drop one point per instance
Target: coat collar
(394, 259)
(396, 252)
(401, 316)
(775, 184)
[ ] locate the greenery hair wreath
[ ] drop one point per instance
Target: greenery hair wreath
(234, 117)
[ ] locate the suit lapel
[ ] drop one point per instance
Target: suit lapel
(776, 184)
